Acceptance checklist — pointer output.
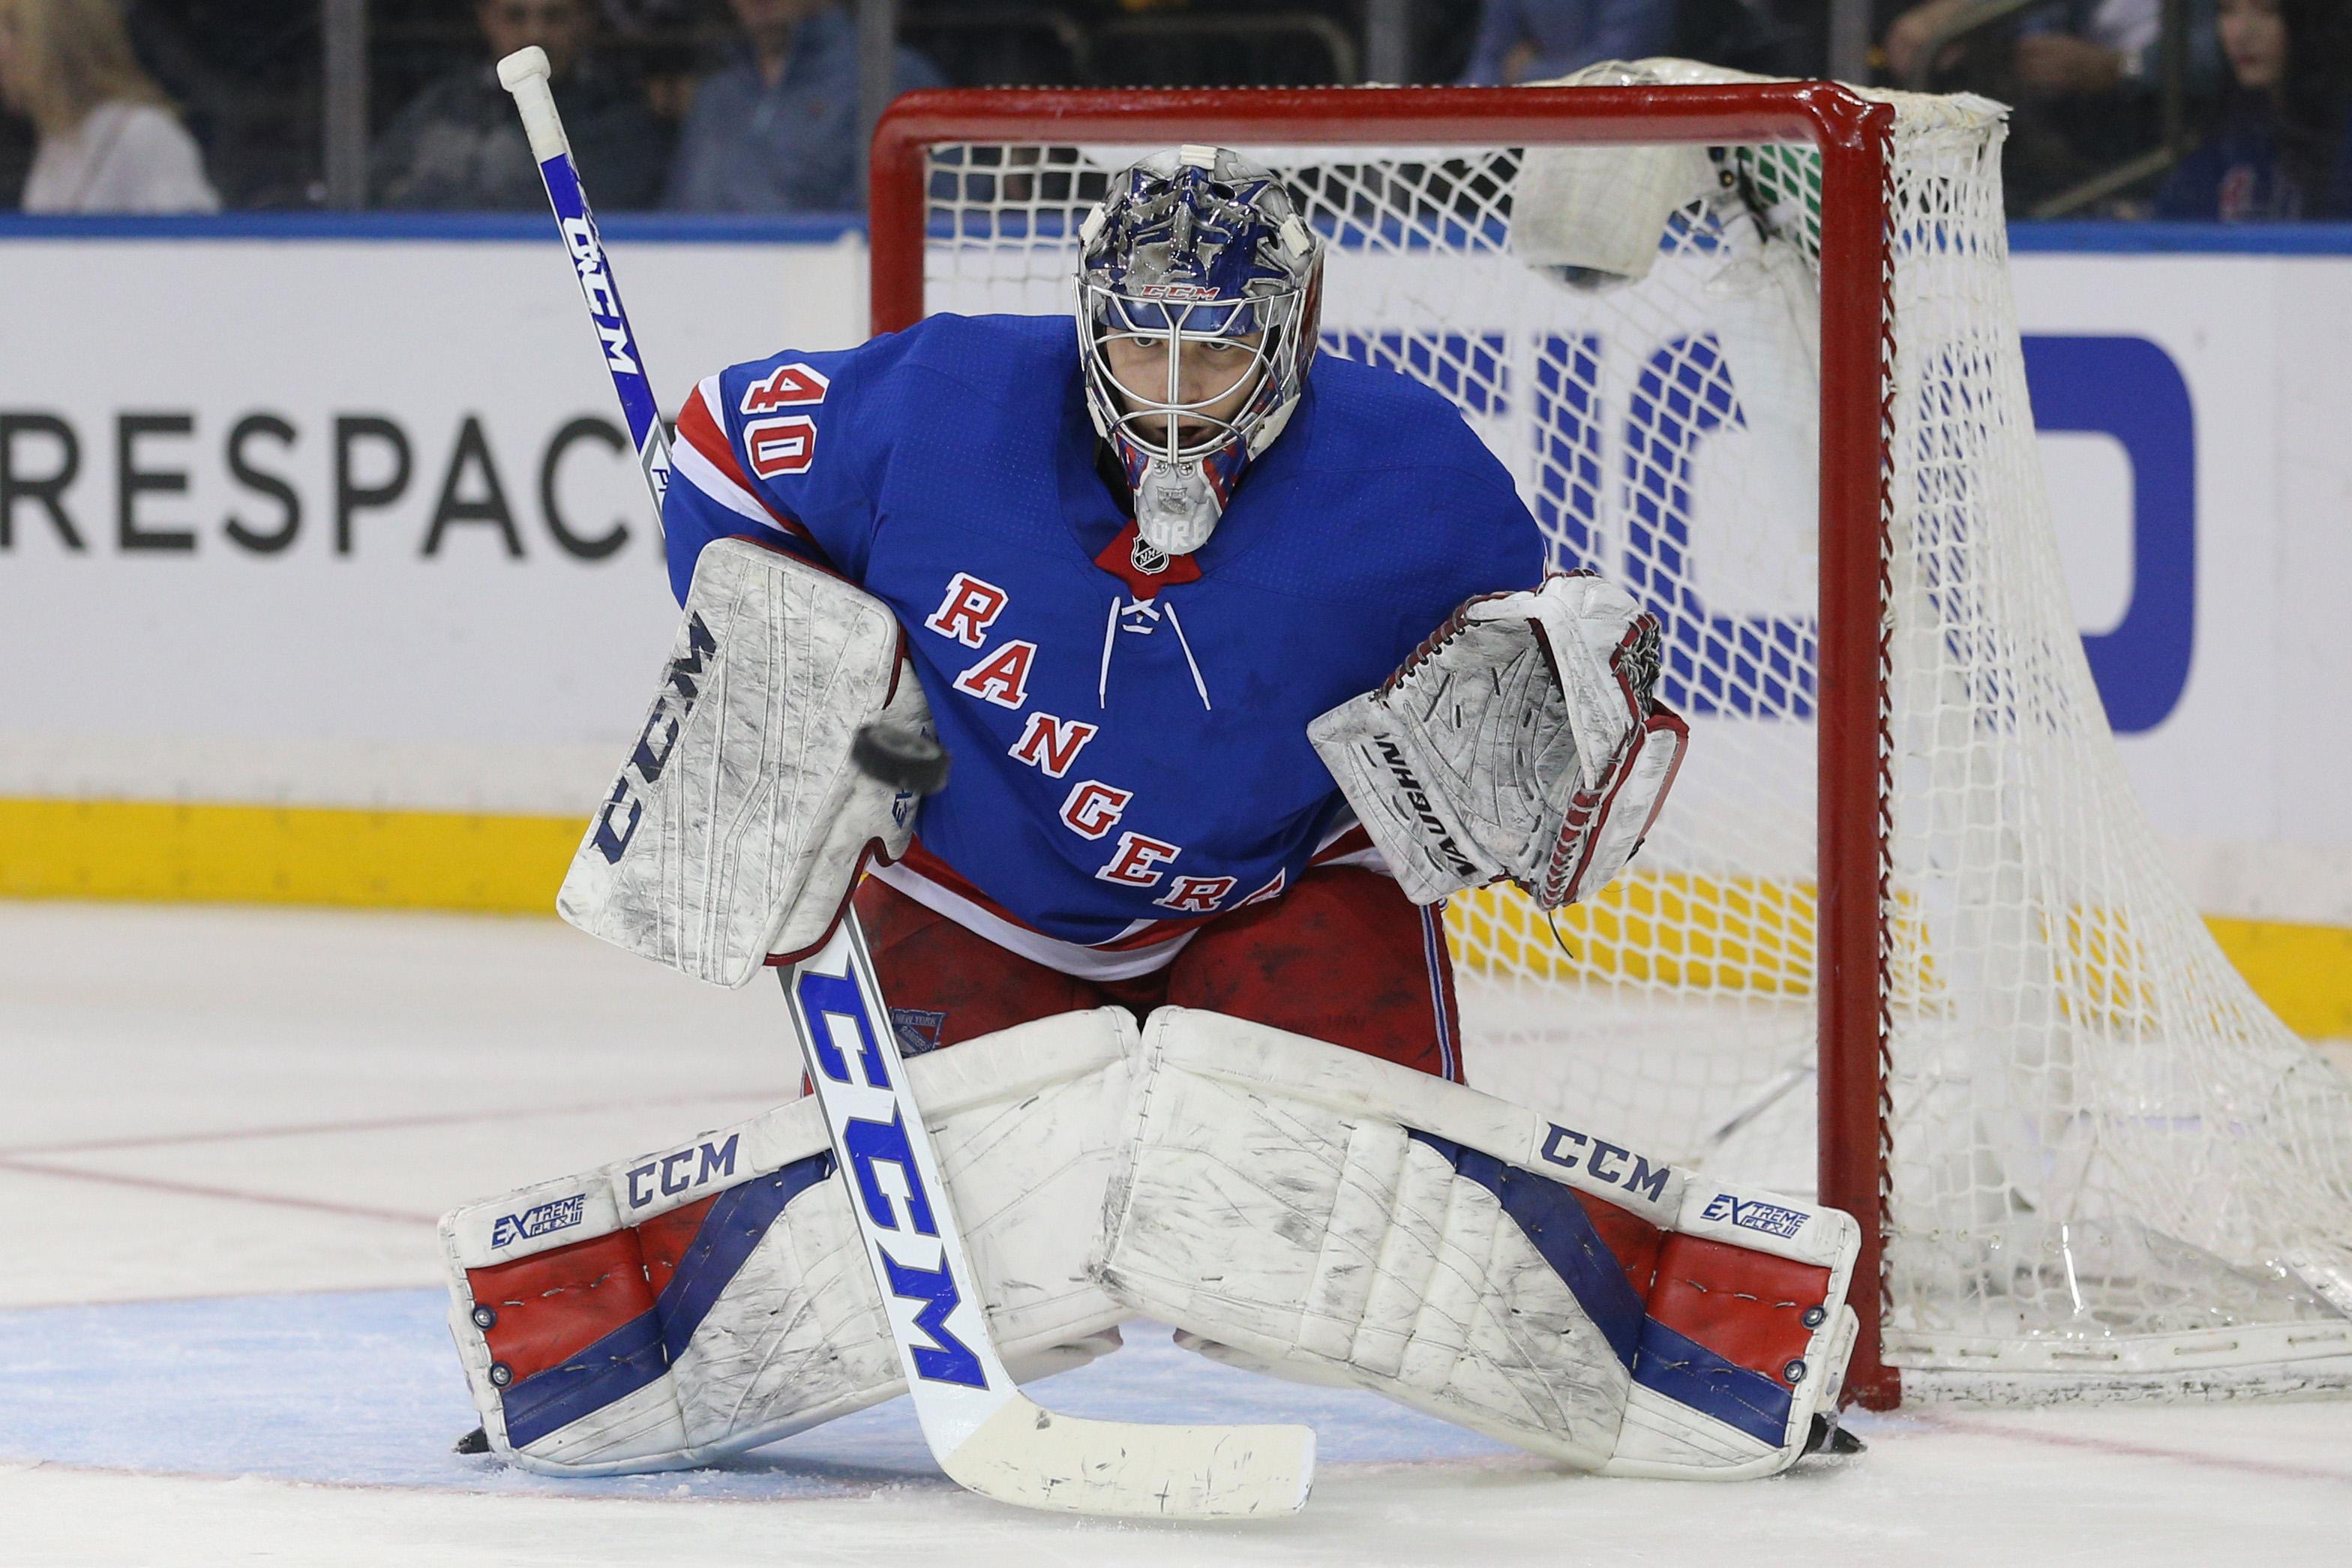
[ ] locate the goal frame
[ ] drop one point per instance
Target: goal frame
(1853, 782)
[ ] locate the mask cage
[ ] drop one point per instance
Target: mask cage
(1152, 425)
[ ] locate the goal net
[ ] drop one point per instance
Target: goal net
(2096, 1165)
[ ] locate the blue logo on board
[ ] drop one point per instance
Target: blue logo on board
(1646, 456)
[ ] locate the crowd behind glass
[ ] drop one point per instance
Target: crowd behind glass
(752, 106)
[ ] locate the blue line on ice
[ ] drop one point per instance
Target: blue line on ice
(363, 1388)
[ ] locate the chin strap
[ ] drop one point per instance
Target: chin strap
(1178, 501)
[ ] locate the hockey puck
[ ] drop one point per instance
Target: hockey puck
(901, 757)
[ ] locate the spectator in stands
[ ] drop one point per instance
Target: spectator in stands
(777, 128)
(2082, 75)
(2064, 48)
(109, 139)
(2275, 134)
(458, 144)
(1535, 40)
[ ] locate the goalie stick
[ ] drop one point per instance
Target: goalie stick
(987, 1435)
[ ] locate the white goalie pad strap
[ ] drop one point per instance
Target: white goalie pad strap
(662, 1312)
(738, 823)
(1317, 1213)
(1522, 739)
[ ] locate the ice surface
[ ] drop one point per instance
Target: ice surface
(225, 1135)
(361, 1388)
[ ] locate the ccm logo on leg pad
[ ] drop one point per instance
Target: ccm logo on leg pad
(1605, 1162)
(682, 1171)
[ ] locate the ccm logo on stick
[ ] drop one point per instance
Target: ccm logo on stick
(603, 304)
(830, 1001)
(1605, 1162)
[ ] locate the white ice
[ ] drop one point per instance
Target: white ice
(224, 1139)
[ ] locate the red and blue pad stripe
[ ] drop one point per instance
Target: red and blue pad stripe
(583, 1326)
(1716, 1327)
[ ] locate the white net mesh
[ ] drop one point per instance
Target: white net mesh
(2111, 1167)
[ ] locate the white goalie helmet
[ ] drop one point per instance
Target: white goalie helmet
(1199, 245)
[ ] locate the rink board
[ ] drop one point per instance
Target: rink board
(345, 595)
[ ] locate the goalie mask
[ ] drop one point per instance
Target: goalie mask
(1194, 247)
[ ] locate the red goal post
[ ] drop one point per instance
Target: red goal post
(1853, 136)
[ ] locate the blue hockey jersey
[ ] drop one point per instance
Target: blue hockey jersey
(1130, 752)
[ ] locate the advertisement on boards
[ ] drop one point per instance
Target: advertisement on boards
(347, 523)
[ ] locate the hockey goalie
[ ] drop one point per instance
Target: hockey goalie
(1246, 660)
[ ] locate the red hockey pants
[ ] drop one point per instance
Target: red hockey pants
(1344, 957)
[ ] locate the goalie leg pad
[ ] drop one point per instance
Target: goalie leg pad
(738, 823)
(664, 1312)
(1305, 1210)
(1744, 1336)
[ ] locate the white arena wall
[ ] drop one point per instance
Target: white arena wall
(325, 576)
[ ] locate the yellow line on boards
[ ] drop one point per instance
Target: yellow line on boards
(1755, 937)
(283, 854)
(2302, 972)
(1670, 930)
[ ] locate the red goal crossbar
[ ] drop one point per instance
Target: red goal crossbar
(1854, 136)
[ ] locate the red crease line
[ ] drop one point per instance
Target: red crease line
(196, 1189)
(2129, 1450)
(389, 1123)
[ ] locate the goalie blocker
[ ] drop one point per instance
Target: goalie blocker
(1289, 1206)
(740, 822)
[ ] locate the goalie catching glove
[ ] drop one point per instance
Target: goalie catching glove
(1524, 739)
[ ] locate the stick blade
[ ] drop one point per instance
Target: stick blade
(1028, 1455)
